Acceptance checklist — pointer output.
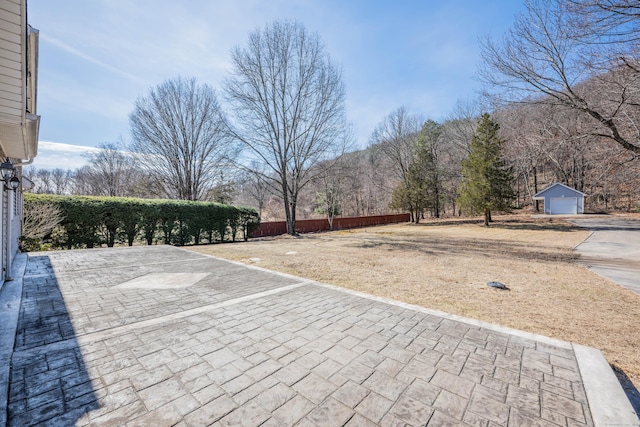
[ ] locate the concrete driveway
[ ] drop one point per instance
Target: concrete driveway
(613, 249)
(159, 336)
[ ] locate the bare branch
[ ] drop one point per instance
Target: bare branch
(179, 132)
(551, 57)
(288, 103)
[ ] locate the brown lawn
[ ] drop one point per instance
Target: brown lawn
(445, 265)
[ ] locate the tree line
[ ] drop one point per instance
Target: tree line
(560, 103)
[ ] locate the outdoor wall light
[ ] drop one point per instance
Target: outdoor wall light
(8, 171)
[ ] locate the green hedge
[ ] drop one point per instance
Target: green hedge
(95, 221)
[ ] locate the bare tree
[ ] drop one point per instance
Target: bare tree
(330, 191)
(254, 185)
(548, 143)
(225, 187)
(178, 133)
(613, 24)
(42, 180)
(462, 123)
(396, 138)
(550, 56)
(288, 102)
(111, 172)
(143, 185)
(61, 180)
(457, 132)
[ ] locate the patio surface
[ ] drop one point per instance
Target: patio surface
(163, 336)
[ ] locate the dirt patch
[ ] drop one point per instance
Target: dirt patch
(445, 265)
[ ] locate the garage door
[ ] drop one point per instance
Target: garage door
(564, 205)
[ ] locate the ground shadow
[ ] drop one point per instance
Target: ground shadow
(443, 246)
(511, 224)
(545, 226)
(49, 382)
(612, 227)
(630, 390)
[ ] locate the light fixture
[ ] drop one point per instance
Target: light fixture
(8, 171)
(13, 183)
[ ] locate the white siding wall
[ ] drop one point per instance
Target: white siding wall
(16, 223)
(11, 201)
(3, 220)
(11, 59)
(12, 114)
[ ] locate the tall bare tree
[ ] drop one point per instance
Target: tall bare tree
(178, 131)
(288, 100)
(551, 56)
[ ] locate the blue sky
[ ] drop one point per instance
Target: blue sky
(98, 56)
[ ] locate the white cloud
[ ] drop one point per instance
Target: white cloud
(54, 155)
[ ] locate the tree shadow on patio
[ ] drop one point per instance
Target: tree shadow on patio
(49, 381)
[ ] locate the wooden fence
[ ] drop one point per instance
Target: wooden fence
(277, 228)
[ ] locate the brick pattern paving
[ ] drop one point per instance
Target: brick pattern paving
(85, 290)
(306, 355)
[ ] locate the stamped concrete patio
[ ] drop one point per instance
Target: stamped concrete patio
(155, 336)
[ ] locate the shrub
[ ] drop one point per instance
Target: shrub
(94, 221)
(40, 218)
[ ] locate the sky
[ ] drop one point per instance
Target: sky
(96, 57)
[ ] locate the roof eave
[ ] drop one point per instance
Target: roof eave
(539, 194)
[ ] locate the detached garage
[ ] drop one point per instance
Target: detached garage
(561, 200)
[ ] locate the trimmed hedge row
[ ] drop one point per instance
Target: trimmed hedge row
(93, 221)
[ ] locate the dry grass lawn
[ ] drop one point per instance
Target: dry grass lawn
(445, 265)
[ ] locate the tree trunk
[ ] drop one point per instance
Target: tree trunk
(535, 187)
(293, 219)
(487, 217)
(291, 226)
(290, 212)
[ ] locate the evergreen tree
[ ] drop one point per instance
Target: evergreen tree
(486, 181)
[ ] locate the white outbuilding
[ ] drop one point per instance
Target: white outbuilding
(561, 200)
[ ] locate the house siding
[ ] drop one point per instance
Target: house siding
(560, 191)
(12, 63)
(18, 120)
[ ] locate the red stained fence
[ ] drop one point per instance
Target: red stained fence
(277, 228)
